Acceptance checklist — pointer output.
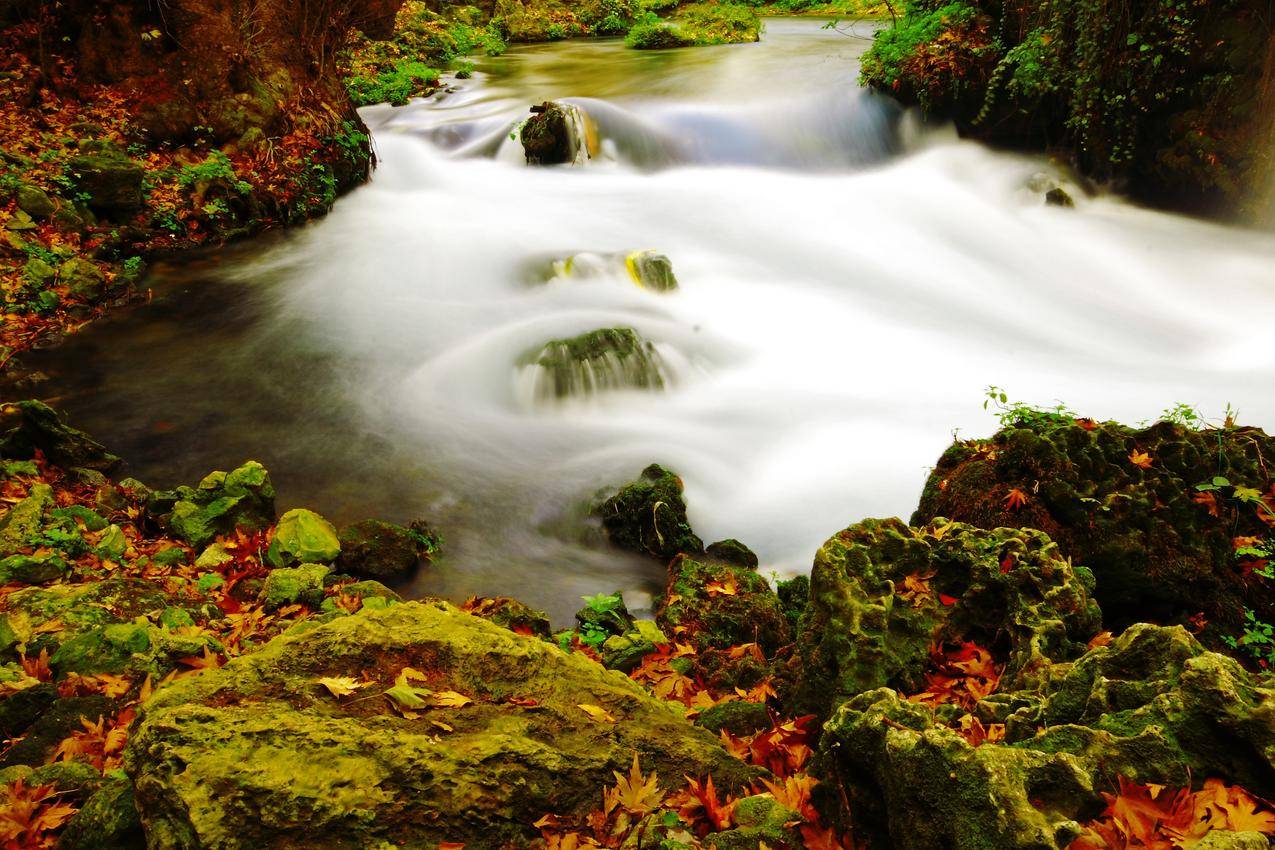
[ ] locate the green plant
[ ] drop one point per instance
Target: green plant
(1017, 414)
(1257, 639)
(1184, 415)
(395, 85)
(604, 603)
(216, 167)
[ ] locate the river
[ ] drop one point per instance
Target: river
(849, 285)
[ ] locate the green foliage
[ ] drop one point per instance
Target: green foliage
(604, 603)
(428, 541)
(352, 142)
(216, 168)
(697, 24)
(404, 79)
(886, 63)
(1257, 640)
(1017, 414)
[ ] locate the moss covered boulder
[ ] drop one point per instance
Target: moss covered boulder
(599, 361)
(721, 605)
(289, 585)
(1152, 707)
(24, 520)
(302, 536)
(648, 516)
(259, 754)
(882, 594)
(1154, 513)
(554, 135)
(241, 499)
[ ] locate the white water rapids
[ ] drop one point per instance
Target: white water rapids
(841, 310)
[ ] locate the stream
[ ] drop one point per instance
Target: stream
(850, 283)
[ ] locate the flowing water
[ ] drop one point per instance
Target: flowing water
(848, 287)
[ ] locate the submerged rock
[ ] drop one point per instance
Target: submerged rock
(882, 593)
(648, 269)
(340, 773)
(1153, 707)
(648, 516)
(1154, 513)
(598, 361)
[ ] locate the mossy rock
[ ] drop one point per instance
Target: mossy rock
(55, 724)
(719, 606)
(648, 516)
(32, 569)
(881, 593)
(242, 499)
(40, 428)
(83, 279)
(35, 201)
(603, 360)
(302, 584)
(23, 521)
(303, 537)
(111, 179)
(136, 648)
(378, 550)
(625, 652)
(107, 821)
(353, 773)
(511, 614)
(1154, 707)
(1157, 553)
(547, 136)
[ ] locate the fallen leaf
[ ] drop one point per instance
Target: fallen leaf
(597, 712)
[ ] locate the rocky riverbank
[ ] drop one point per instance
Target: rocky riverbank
(931, 685)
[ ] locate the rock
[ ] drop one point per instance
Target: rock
(511, 614)
(648, 516)
(1154, 707)
(599, 361)
(794, 599)
(760, 821)
(83, 279)
(606, 613)
(304, 537)
(557, 134)
(1219, 840)
(136, 648)
(353, 773)
(54, 725)
(22, 708)
(722, 606)
(882, 593)
(214, 556)
(378, 550)
(111, 179)
(112, 544)
(39, 273)
(35, 201)
(651, 270)
(1058, 197)
(20, 221)
(107, 821)
(1148, 533)
(39, 427)
(302, 584)
(736, 716)
(31, 569)
(223, 502)
(24, 520)
(625, 652)
(732, 552)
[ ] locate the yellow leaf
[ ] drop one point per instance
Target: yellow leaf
(597, 712)
(449, 699)
(341, 686)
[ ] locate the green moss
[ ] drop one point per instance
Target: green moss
(302, 536)
(299, 584)
(649, 516)
(697, 24)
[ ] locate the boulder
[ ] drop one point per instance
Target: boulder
(509, 613)
(32, 569)
(107, 821)
(111, 179)
(648, 516)
(651, 270)
(883, 593)
(731, 551)
(625, 652)
(378, 550)
(303, 537)
(1153, 707)
(721, 606)
(1154, 513)
(292, 765)
(40, 428)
